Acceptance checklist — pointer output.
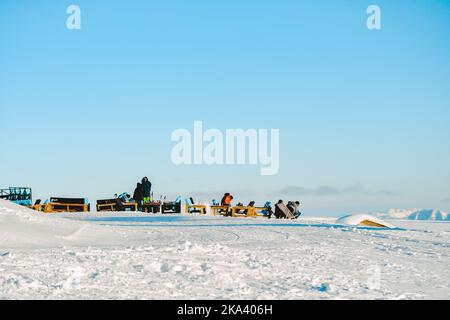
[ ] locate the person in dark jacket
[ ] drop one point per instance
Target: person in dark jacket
(147, 189)
(138, 195)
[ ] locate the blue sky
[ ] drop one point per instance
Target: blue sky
(363, 115)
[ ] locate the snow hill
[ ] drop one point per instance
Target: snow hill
(358, 220)
(21, 227)
(415, 214)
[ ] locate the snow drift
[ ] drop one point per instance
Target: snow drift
(364, 220)
(21, 227)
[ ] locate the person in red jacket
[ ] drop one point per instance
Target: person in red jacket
(226, 201)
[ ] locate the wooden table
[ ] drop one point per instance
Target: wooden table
(154, 207)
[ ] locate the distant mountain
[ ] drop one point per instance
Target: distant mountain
(415, 214)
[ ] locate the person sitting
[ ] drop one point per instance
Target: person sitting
(226, 202)
(294, 208)
(119, 203)
(124, 197)
(268, 212)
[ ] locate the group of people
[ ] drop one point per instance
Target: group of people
(142, 193)
(292, 206)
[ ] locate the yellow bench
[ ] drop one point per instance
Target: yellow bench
(199, 207)
(133, 206)
(215, 209)
(257, 211)
(252, 212)
(53, 207)
(235, 211)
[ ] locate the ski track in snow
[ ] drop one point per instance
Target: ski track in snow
(224, 258)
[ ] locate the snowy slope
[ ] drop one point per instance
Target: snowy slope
(22, 227)
(137, 256)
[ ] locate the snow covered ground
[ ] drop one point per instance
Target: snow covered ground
(137, 256)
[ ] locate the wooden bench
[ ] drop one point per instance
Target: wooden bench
(153, 207)
(215, 210)
(258, 212)
(235, 211)
(65, 205)
(111, 207)
(53, 207)
(37, 207)
(251, 212)
(197, 207)
(190, 204)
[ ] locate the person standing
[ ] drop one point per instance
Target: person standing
(138, 196)
(147, 189)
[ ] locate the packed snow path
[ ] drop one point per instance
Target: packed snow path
(123, 256)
